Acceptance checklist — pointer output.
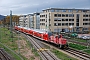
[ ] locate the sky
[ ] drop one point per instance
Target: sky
(20, 7)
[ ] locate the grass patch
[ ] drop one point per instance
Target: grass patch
(87, 51)
(77, 46)
(5, 39)
(80, 47)
(34, 51)
(61, 55)
(79, 40)
(10, 52)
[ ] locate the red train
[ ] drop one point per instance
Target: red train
(44, 35)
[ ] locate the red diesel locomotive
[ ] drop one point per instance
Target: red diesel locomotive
(44, 35)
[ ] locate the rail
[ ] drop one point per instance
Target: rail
(44, 53)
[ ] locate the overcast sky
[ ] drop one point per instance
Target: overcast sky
(30, 6)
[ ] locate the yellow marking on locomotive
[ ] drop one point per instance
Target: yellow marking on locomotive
(42, 49)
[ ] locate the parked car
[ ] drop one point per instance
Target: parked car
(85, 37)
(80, 36)
(74, 34)
(88, 37)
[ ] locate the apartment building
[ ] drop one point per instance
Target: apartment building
(68, 20)
(30, 20)
(22, 20)
(36, 20)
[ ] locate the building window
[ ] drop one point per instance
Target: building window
(59, 15)
(59, 24)
(85, 19)
(63, 15)
(85, 15)
(40, 16)
(56, 10)
(69, 24)
(71, 15)
(66, 19)
(46, 15)
(63, 19)
(49, 19)
(77, 10)
(62, 24)
(43, 15)
(72, 19)
(72, 23)
(52, 10)
(57, 19)
(69, 10)
(55, 24)
(66, 15)
(63, 10)
(86, 23)
(40, 23)
(66, 24)
(40, 19)
(84, 11)
(55, 15)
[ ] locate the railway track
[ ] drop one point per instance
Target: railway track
(77, 53)
(85, 44)
(4, 55)
(44, 53)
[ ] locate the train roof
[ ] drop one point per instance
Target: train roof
(36, 30)
(20, 26)
(41, 31)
